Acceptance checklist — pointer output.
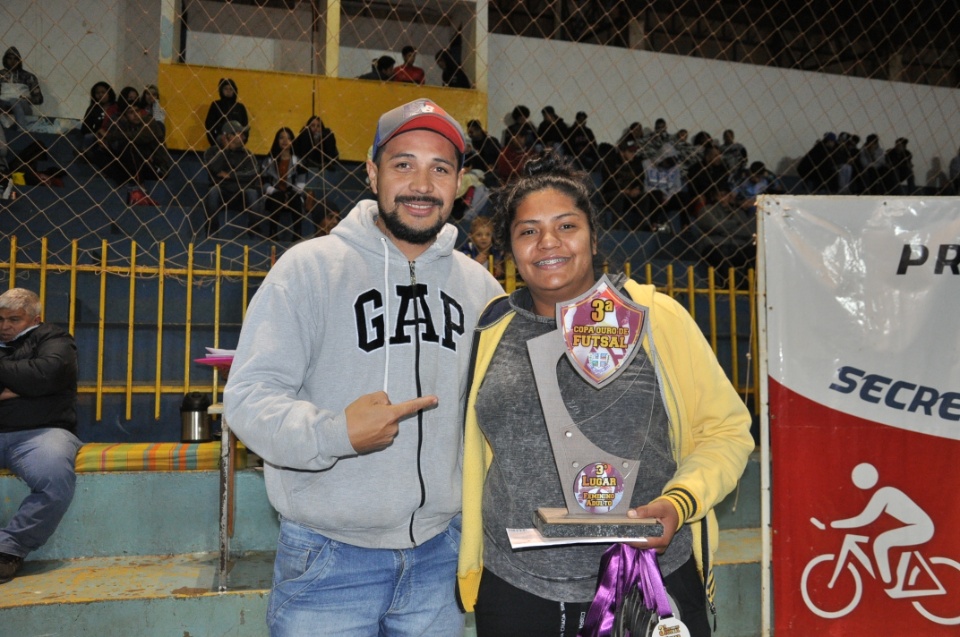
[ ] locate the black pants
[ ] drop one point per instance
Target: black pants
(503, 610)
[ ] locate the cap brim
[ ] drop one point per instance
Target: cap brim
(434, 123)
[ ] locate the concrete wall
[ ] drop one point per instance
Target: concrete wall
(70, 46)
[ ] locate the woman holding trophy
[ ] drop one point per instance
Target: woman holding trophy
(666, 404)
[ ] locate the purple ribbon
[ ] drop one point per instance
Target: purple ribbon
(623, 568)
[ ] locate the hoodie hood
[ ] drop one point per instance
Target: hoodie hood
(228, 82)
(16, 53)
(359, 228)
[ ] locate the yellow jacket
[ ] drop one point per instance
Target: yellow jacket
(709, 430)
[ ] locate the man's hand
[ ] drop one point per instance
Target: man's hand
(373, 421)
(665, 514)
(6, 393)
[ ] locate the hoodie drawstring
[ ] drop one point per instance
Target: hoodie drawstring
(386, 312)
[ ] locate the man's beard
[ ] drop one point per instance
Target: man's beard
(403, 232)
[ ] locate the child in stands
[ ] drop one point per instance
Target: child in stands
(480, 245)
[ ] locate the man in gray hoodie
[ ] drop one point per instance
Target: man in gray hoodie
(349, 380)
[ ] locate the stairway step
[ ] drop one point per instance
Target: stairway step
(177, 594)
(737, 573)
(738, 546)
(129, 595)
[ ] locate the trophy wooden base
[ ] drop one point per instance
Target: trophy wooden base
(557, 523)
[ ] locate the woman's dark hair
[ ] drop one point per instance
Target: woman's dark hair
(112, 95)
(701, 138)
(124, 101)
(275, 148)
(520, 111)
(542, 172)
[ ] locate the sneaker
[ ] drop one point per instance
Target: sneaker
(9, 565)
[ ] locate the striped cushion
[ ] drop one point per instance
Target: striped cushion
(153, 456)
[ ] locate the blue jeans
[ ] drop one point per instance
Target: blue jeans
(44, 459)
(325, 587)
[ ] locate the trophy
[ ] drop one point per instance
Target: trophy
(600, 332)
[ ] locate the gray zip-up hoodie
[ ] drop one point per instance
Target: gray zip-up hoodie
(336, 318)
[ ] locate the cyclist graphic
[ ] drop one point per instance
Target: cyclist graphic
(917, 529)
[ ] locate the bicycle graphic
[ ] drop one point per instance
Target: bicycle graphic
(914, 577)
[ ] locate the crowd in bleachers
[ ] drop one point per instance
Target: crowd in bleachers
(650, 181)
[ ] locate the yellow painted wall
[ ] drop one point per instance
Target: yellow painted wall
(349, 107)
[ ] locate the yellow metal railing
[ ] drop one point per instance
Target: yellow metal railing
(191, 276)
(719, 299)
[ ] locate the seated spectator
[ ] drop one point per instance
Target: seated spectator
(38, 417)
(847, 167)
(818, 168)
(701, 141)
(954, 184)
(875, 177)
(408, 72)
(734, 153)
(553, 132)
(480, 246)
(684, 149)
(234, 178)
(652, 144)
(102, 109)
(135, 141)
(316, 146)
(521, 126)
(226, 109)
(128, 96)
(19, 90)
(759, 181)
(150, 103)
(663, 181)
(727, 232)
(382, 69)
(624, 189)
(283, 189)
(583, 143)
(453, 75)
(512, 158)
(486, 148)
(900, 162)
(709, 173)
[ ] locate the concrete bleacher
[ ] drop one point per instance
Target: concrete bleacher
(137, 554)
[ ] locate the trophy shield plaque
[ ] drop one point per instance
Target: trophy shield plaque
(600, 333)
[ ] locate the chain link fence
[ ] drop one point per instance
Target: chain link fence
(121, 117)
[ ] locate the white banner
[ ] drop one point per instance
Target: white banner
(870, 285)
(861, 317)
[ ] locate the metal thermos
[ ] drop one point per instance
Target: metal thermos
(194, 418)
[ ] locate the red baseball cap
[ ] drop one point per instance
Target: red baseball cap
(422, 114)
